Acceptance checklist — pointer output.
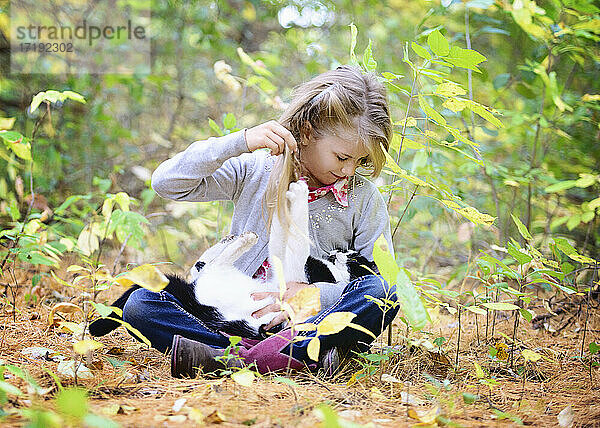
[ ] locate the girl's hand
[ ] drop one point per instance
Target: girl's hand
(292, 288)
(271, 135)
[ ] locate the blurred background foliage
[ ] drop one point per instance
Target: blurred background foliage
(236, 61)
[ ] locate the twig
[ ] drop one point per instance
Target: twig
(114, 268)
(405, 208)
(587, 312)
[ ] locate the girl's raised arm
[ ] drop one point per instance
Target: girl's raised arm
(208, 170)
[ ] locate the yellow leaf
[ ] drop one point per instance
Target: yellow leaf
(586, 97)
(479, 371)
(7, 122)
(425, 416)
(450, 89)
(306, 302)
(530, 355)
(335, 322)
(454, 104)
(65, 308)
(196, 415)
(86, 345)
(147, 276)
(243, 377)
(87, 242)
(313, 348)
(76, 268)
(67, 243)
(376, 394)
(305, 327)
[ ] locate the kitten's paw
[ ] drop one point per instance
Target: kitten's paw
(298, 191)
(248, 238)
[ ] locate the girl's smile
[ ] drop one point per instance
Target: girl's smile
(329, 158)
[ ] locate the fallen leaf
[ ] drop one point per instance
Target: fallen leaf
(530, 355)
(565, 417)
(243, 377)
(116, 350)
(376, 394)
(86, 345)
(65, 308)
(215, 418)
(67, 368)
(195, 415)
(40, 352)
(426, 416)
(178, 405)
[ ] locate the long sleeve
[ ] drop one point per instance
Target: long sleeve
(374, 221)
(209, 170)
(330, 292)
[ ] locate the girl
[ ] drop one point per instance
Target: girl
(336, 122)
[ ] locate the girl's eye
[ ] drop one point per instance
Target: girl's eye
(342, 159)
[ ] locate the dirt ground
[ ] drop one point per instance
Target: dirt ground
(132, 385)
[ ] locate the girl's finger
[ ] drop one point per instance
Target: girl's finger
(276, 148)
(277, 320)
(287, 136)
(267, 309)
(276, 137)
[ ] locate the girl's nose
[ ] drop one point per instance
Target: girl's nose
(348, 169)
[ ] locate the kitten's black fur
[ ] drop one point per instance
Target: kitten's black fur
(183, 291)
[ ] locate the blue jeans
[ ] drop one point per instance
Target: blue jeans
(159, 316)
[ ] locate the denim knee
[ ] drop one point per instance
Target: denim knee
(376, 286)
(136, 308)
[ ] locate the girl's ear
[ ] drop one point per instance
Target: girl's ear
(305, 134)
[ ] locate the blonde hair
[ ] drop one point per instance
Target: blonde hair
(345, 102)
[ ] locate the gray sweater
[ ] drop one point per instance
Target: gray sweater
(222, 168)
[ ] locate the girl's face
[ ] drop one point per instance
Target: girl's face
(329, 158)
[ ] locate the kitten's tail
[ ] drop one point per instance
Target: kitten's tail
(103, 326)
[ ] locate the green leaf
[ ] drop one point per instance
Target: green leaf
(527, 314)
(561, 185)
(469, 398)
(500, 306)
(36, 101)
(586, 180)
(483, 111)
(385, 260)
(95, 421)
(465, 58)
(215, 128)
(368, 62)
(476, 310)
(9, 388)
(594, 348)
(72, 402)
(74, 96)
(438, 43)
(412, 306)
(429, 111)
(229, 121)
(353, 35)
(521, 227)
(421, 51)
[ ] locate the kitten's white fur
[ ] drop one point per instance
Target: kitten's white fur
(221, 285)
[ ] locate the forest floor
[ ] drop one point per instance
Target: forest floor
(131, 384)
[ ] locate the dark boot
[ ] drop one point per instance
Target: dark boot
(189, 356)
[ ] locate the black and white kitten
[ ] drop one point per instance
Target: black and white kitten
(219, 294)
